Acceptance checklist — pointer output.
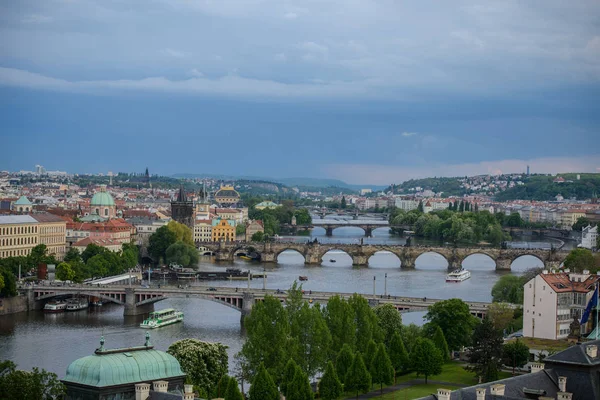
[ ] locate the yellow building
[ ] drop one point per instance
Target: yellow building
(18, 235)
(53, 233)
(568, 218)
(223, 230)
(227, 195)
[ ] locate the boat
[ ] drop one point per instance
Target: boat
(303, 278)
(97, 303)
(55, 306)
(246, 258)
(76, 304)
(331, 260)
(160, 318)
(458, 275)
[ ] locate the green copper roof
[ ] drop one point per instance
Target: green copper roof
(102, 199)
(122, 367)
(23, 201)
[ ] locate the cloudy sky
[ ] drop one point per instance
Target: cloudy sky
(367, 91)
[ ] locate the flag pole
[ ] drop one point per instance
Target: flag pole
(597, 295)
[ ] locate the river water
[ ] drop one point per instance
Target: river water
(52, 341)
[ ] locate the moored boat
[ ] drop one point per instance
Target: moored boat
(55, 306)
(303, 278)
(77, 303)
(156, 319)
(458, 275)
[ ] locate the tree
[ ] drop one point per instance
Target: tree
(263, 387)
(426, 359)
(409, 335)
(258, 236)
(420, 206)
(159, 242)
(311, 339)
(24, 385)
(454, 318)
(514, 220)
(515, 354)
(330, 387)
(300, 387)
(390, 321)
(288, 376)
(302, 217)
(509, 289)
(381, 369)
(64, 272)
(461, 207)
(203, 362)
(344, 361)
(366, 323)
(222, 386)
(398, 355)
(343, 203)
(1, 283)
(98, 265)
(440, 343)
(182, 254)
(233, 391)
(182, 232)
(339, 317)
(9, 283)
(581, 223)
(580, 259)
(370, 352)
(486, 352)
(358, 378)
(92, 250)
(72, 255)
(501, 315)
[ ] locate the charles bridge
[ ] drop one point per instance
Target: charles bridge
(360, 253)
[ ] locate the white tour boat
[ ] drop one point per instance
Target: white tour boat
(458, 276)
(160, 318)
(76, 304)
(55, 306)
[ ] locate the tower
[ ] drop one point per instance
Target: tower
(147, 178)
(528, 170)
(182, 209)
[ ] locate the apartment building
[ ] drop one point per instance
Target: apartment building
(52, 233)
(18, 235)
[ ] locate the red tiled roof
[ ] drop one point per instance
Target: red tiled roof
(100, 242)
(560, 283)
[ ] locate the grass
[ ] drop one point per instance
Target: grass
(544, 344)
(414, 392)
(453, 372)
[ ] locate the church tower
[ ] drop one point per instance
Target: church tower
(182, 210)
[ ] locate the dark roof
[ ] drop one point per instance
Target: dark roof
(164, 396)
(576, 355)
(227, 193)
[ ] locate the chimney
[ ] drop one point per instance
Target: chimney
(536, 367)
(591, 351)
(480, 393)
(567, 270)
(161, 386)
(188, 392)
(545, 272)
(562, 383)
(497, 389)
(564, 396)
(142, 391)
(586, 271)
(443, 394)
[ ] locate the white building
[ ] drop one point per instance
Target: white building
(589, 236)
(552, 300)
(405, 204)
(203, 230)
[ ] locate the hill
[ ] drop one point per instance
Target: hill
(543, 188)
(449, 186)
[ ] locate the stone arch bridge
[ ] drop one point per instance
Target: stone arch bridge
(313, 253)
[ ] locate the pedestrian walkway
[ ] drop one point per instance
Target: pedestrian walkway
(404, 385)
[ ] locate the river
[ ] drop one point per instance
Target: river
(52, 341)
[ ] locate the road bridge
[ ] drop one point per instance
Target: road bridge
(139, 300)
(330, 224)
(360, 253)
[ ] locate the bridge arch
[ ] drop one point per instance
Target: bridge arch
(292, 252)
(523, 262)
(79, 293)
(345, 227)
(479, 260)
(384, 259)
(341, 257)
(431, 259)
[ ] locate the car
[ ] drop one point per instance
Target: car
(211, 289)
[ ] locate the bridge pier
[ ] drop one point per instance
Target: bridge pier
(222, 255)
(131, 308)
(328, 231)
(269, 257)
(368, 231)
(247, 303)
(407, 262)
(359, 260)
(503, 264)
(311, 256)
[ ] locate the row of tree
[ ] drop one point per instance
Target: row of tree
(39, 384)
(173, 243)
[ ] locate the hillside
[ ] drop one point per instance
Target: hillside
(449, 186)
(543, 188)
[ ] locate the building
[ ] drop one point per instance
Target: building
(365, 191)
(144, 227)
(239, 215)
(253, 227)
(223, 230)
(552, 300)
(116, 229)
(569, 217)
(18, 235)
(589, 237)
(109, 244)
(22, 205)
(572, 374)
(125, 374)
(103, 204)
(227, 196)
(182, 209)
(53, 233)
(406, 204)
(266, 205)
(203, 230)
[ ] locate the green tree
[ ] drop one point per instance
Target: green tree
(581, 223)
(339, 317)
(263, 387)
(515, 354)
(580, 259)
(258, 236)
(508, 289)
(182, 254)
(1, 283)
(73, 255)
(288, 376)
(398, 355)
(98, 265)
(64, 272)
(240, 230)
(390, 321)
(311, 339)
(381, 369)
(426, 359)
(233, 391)
(410, 333)
(514, 220)
(485, 357)
(92, 250)
(343, 203)
(159, 242)
(367, 326)
(129, 254)
(300, 388)
(9, 286)
(501, 315)
(461, 207)
(420, 206)
(330, 387)
(222, 386)
(358, 378)
(344, 361)
(370, 352)
(440, 343)
(182, 232)
(25, 385)
(203, 362)
(454, 318)
(303, 217)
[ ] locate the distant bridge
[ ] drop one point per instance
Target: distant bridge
(313, 253)
(138, 300)
(330, 224)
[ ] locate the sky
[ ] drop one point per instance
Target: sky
(366, 91)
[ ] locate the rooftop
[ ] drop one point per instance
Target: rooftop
(17, 219)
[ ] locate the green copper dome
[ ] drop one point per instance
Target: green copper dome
(23, 201)
(122, 367)
(102, 198)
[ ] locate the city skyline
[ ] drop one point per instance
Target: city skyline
(368, 93)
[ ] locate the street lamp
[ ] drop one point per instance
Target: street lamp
(374, 286)
(385, 286)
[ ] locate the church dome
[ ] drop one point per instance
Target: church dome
(102, 198)
(23, 201)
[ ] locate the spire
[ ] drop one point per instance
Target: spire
(181, 196)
